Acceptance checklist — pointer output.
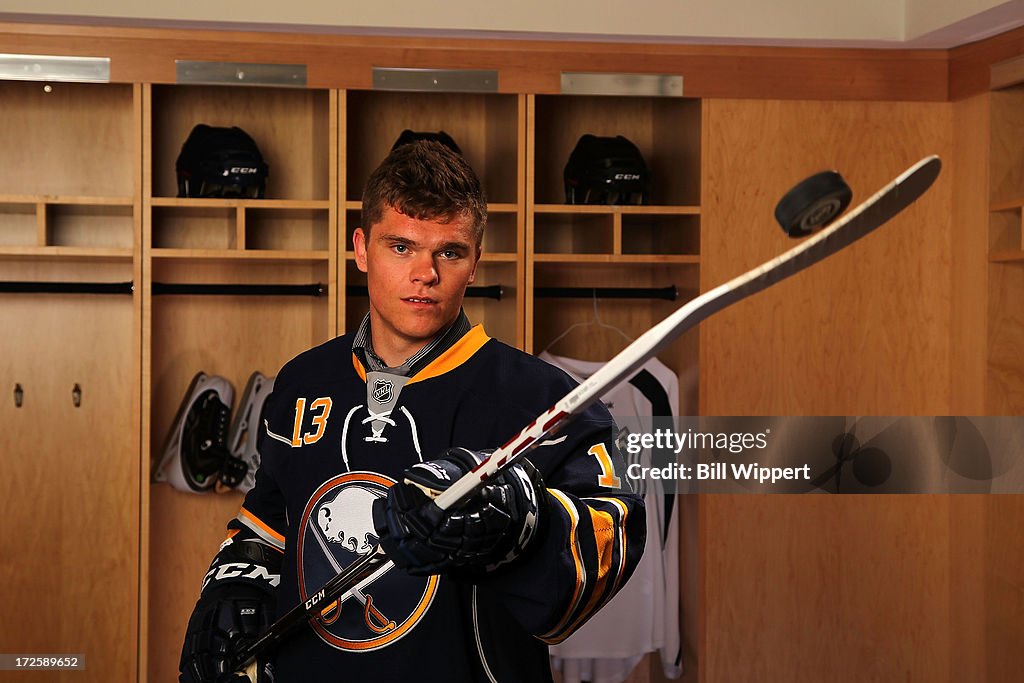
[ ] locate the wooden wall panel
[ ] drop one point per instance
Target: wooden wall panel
(813, 588)
(1004, 588)
(986, 588)
(69, 490)
(866, 330)
(968, 608)
(969, 256)
(969, 660)
(826, 588)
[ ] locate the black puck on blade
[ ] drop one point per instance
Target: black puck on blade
(813, 203)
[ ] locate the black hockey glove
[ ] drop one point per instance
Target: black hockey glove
(234, 608)
(491, 528)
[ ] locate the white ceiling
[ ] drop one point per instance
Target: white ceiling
(836, 23)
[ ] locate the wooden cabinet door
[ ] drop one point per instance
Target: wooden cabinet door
(69, 492)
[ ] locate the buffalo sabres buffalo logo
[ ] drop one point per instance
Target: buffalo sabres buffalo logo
(337, 528)
(383, 390)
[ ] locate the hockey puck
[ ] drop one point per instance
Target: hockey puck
(813, 203)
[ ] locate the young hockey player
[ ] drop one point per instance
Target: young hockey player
(355, 427)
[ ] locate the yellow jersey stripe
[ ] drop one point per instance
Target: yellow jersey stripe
(623, 514)
(261, 528)
(459, 353)
(607, 535)
(581, 577)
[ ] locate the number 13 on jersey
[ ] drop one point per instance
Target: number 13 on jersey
(320, 409)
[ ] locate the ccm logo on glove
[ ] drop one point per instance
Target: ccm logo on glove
(241, 570)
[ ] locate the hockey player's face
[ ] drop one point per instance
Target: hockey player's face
(417, 272)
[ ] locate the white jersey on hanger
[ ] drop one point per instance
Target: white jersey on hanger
(644, 616)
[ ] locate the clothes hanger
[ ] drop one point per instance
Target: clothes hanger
(596, 321)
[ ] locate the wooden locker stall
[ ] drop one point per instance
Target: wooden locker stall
(587, 246)
(287, 238)
(639, 250)
(70, 218)
(489, 130)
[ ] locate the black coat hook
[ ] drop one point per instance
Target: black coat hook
(76, 396)
(19, 395)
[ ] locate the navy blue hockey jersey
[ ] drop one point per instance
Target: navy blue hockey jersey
(329, 448)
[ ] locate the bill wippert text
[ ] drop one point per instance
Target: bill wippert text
(719, 471)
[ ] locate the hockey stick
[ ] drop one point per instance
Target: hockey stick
(872, 214)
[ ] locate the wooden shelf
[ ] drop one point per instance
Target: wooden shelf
(498, 207)
(623, 259)
(71, 253)
(617, 209)
(262, 255)
(1006, 256)
(499, 257)
(492, 207)
(1008, 205)
(64, 199)
(211, 202)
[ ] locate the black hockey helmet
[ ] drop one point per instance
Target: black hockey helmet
(408, 136)
(606, 170)
(221, 162)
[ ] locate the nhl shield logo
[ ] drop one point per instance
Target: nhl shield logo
(383, 390)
